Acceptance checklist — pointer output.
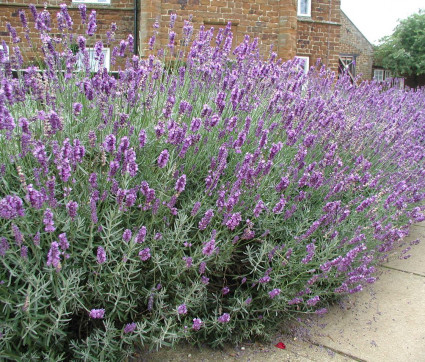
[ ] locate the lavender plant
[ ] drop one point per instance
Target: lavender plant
(203, 202)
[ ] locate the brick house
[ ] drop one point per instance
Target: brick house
(312, 29)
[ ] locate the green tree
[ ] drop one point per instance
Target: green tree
(403, 52)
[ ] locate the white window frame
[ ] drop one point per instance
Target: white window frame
(378, 75)
(306, 65)
(307, 5)
(388, 74)
(94, 63)
(100, 2)
(7, 49)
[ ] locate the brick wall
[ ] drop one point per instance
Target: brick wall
(318, 36)
(120, 12)
(272, 21)
(354, 43)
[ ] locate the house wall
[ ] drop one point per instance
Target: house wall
(120, 12)
(353, 42)
(272, 21)
(318, 36)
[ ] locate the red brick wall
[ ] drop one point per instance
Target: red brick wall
(318, 36)
(272, 21)
(119, 11)
(354, 43)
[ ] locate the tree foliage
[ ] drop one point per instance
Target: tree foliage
(403, 52)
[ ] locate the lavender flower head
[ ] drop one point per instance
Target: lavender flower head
(130, 328)
(53, 256)
(180, 184)
(224, 318)
(145, 254)
(63, 241)
(206, 219)
(275, 292)
(197, 324)
(101, 255)
(97, 313)
(163, 158)
(126, 236)
(234, 221)
(48, 221)
(182, 309)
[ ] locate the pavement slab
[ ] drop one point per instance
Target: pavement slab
(416, 262)
(386, 322)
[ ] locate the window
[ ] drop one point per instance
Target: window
(4, 54)
(388, 74)
(378, 75)
(347, 64)
(304, 63)
(101, 2)
(304, 7)
(94, 62)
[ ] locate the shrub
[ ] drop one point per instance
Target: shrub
(202, 204)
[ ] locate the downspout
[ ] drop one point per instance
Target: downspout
(136, 25)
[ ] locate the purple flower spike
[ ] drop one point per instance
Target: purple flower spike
(126, 236)
(234, 221)
(275, 292)
(53, 256)
(145, 254)
(130, 328)
(101, 255)
(163, 158)
(197, 324)
(48, 221)
(224, 318)
(182, 309)
(180, 184)
(206, 219)
(97, 313)
(141, 235)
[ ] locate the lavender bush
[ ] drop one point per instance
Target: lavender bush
(204, 202)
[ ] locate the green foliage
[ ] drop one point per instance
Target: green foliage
(403, 52)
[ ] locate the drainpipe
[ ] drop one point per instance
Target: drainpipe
(136, 25)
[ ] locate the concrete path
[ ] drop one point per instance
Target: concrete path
(385, 322)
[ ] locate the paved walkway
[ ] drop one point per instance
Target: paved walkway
(385, 322)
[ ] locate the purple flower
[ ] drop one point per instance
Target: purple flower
(63, 241)
(206, 219)
(205, 280)
(195, 208)
(141, 235)
(4, 246)
(188, 261)
(202, 267)
(180, 184)
(24, 252)
(234, 221)
(97, 313)
(110, 143)
(83, 12)
(209, 247)
(77, 107)
(313, 301)
(101, 255)
(224, 318)
(225, 290)
(163, 158)
(280, 205)
(130, 327)
(92, 25)
(182, 309)
(145, 254)
(275, 292)
(126, 236)
(53, 256)
(197, 324)
(19, 238)
(72, 208)
(48, 221)
(142, 138)
(11, 207)
(248, 301)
